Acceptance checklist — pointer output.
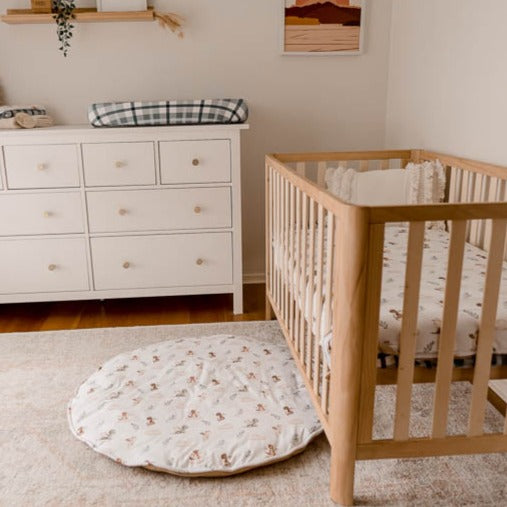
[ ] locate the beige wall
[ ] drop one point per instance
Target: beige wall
(230, 49)
(448, 77)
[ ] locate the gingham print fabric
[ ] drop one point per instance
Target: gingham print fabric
(7, 112)
(174, 112)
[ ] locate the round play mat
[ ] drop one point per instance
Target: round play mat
(215, 406)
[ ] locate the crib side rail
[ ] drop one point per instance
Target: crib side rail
(438, 442)
(301, 225)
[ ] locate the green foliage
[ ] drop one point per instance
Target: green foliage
(63, 14)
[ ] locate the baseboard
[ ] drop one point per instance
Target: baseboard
(250, 278)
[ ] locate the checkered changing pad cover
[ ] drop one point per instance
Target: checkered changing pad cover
(174, 112)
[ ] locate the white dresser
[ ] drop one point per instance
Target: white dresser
(126, 212)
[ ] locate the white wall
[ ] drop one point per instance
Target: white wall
(448, 77)
(230, 49)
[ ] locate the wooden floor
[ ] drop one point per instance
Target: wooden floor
(130, 312)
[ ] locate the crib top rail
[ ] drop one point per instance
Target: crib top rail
(496, 171)
(286, 158)
(474, 200)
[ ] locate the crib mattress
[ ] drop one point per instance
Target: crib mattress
(431, 300)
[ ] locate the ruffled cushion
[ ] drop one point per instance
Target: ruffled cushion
(215, 405)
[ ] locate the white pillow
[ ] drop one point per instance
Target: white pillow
(381, 188)
(425, 182)
(422, 183)
(370, 188)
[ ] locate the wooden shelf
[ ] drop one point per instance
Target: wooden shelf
(27, 17)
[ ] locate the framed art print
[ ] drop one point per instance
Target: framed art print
(322, 27)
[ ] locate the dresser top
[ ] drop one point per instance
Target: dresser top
(88, 131)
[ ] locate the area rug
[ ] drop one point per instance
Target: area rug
(41, 463)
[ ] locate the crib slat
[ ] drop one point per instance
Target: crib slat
(466, 193)
(311, 288)
(476, 225)
(303, 279)
(281, 242)
(318, 306)
(292, 260)
(448, 331)
(297, 278)
(321, 174)
(269, 237)
(409, 330)
(494, 187)
(384, 164)
(277, 244)
(487, 329)
(501, 198)
(328, 277)
(452, 184)
(301, 168)
(458, 184)
(363, 166)
(371, 332)
(286, 226)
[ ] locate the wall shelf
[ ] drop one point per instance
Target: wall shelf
(27, 17)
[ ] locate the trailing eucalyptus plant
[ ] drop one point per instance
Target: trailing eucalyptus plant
(63, 14)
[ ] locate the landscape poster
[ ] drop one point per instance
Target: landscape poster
(322, 26)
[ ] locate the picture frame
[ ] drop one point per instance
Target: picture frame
(322, 27)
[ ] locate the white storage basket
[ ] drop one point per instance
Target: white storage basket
(122, 5)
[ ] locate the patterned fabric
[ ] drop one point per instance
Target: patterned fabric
(196, 406)
(7, 112)
(431, 298)
(175, 112)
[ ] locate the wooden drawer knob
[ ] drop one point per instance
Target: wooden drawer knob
(195, 162)
(52, 267)
(199, 262)
(197, 210)
(47, 214)
(126, 265)
(119, 164)
(41, 167)
(122, 212)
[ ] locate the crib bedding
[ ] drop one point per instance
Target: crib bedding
(431, 300)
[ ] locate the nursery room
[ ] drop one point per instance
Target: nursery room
(253, 253)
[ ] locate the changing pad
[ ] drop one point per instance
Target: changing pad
(174, 112)
(202, 406)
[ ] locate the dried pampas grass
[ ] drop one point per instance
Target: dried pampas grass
(170, 21)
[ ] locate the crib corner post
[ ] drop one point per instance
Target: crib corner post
(351, 259)
(270, 314)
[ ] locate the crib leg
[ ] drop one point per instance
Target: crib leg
(270, 314)
(342, 478)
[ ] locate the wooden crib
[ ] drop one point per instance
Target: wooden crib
(308, 230)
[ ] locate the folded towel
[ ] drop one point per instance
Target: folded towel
(26, 121)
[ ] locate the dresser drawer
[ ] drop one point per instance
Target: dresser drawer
(195, 161)
(152, 210)
(162, 261)
(42, 166)
(48, 213)
(110, 164)
(49, 265)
